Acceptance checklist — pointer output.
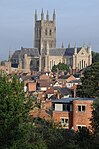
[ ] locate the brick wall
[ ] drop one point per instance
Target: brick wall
(82, 118)
(57, 115)
(31, 86)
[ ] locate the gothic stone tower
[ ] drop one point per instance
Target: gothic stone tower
(44, 35)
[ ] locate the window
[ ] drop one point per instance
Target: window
(84, 63)
(67, 121)
(81, 126)
(64, 121)
(82, 53)
(81, 108)
(52, 63)
(50, 32)
(46, 32)
(66, 107)
(80, 64)
(53, 106)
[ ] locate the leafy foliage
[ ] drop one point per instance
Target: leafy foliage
(14, 114)
(90, 82)
(95, 57)
(95, 118)
(61, 67)
(53, 137)
(84, 138)
(54, 68)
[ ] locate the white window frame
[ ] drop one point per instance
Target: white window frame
(64, 124)
(81, 107)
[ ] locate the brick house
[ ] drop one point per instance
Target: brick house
(31, 86)
(72, 113)
(44, 77)
(73, 82)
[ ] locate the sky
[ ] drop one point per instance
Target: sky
(77, 22)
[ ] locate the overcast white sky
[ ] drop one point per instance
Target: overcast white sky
(77, 22)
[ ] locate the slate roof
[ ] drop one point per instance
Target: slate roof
(16, 54)
(75, 81)
(70, 51)
(62, 51)
(57, 52)
(64, 91)
(30, 51)
(63, 77)
(68, 100)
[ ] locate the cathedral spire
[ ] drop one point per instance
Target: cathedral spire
(75, 45)
(42, 15)
(10, 55)
(47, 16)
(69, 45)
(62, 45)
(75, 49)
(35, 15)
(54, 15)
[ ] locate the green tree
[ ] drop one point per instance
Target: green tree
(60, 67)
(55, 138)
(90, 82)
(15, 126)
(95, 118)
(84, 138)
(95, 57)
(95, 124)
(54, 68)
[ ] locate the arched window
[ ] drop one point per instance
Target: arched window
(50, 32)
(52, 62)
(82, 64)
(46, 32)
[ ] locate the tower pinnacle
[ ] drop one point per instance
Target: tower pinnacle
(47, 16)
(54, 15)
(35, 15)
(42, 15)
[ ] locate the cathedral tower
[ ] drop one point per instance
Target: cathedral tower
(44, 32)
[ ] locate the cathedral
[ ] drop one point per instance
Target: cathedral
(45, 54)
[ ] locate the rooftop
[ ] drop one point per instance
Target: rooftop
(68, 100)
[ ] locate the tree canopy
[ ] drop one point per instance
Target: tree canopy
(95, 57)
(14, 114)
(90, 82)
(61, 67)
